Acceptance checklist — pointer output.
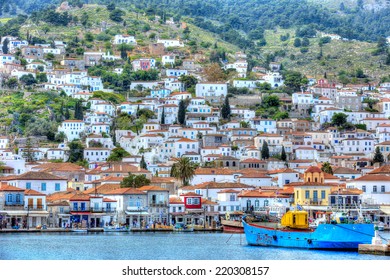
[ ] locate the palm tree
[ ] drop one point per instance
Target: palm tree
(183, 170)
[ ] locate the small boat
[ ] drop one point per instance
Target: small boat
(293, 231)
(181, 227)
(116, 228)
(381, 226)
(232, 222)
(80, 230)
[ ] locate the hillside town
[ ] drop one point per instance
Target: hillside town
(190, 149)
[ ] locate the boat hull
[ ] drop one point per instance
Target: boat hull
(324, 237)
(232, 226)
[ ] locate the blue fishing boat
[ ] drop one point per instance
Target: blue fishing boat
(294, 232)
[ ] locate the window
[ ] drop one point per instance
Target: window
(43, 186)
(18, 198)
(374, 189)
(232, 197)
(9, 198)
(82, 206)
(28, 186)
(75, 205)
(57, 187)
(322, 194)
(364, 188)
(383, 188)
(307, 194)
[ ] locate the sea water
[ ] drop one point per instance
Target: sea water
(154, 246)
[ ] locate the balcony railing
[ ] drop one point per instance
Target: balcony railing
(93, 209)
(22, 207)
(158, 204)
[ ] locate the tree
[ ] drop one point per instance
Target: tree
(297, 42)
(339, 119)
(225, 110)
(28, 153)
(183, 170)
(28, 79)
(5, 46)
(270, 101)
(117, 154)
(294, 80)
(181, 114)
(283, 155)
(378, 156)
(327, 168)
(143, 164)
(76, 151)
(189, 81)
(265, 150)
(135, 181)
(163, 116)
(214, 73)
(78, 110)
(116, 15)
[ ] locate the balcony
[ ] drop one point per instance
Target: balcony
(21, 207)
(158, 204)
(93, 209)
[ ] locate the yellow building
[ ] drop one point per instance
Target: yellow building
(313, 191)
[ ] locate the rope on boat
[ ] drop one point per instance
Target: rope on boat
(385, 239)
(229, 238)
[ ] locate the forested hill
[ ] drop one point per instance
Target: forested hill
(250, 16)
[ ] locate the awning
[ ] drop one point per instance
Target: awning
(25, 213)
(136, 213)
(385, 209)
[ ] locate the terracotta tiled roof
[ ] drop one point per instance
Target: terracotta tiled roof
(260, 193)
(190, 194)
(283, 170)
(102, 189)
(122, 191)
(61, 166)
(385, 169)
(345, 170)
(80, 197)
(33, 193)
(313, 169)
(175, 200)
(152, 188)
(374, 177)
(39, 176)
(215, 185)
(215, 171)
(9, 188)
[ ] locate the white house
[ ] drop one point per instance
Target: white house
(124, 39)
(175, 72)
(72, 128)
(274, 78)
(43, 182)
(53, 154)
(170, 43)
(96, 154)
(244, 83)
(211, 89)
(306, 153)
(263, 125)
(168, 59)
(375, 188)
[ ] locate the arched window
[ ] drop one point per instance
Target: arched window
(315, 179)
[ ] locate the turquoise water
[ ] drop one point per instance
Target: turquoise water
(153, 246)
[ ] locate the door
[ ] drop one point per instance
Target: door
(39, 203)
(30, 203)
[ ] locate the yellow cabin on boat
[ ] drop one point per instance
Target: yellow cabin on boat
(295, 219)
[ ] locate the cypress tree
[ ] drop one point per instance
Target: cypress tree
(225, 111)
(143, 163)
(163, 116)
(78, 111)
(265, 150)
(67, 114)
(378, 156)
(283, 155)
(181, 115)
